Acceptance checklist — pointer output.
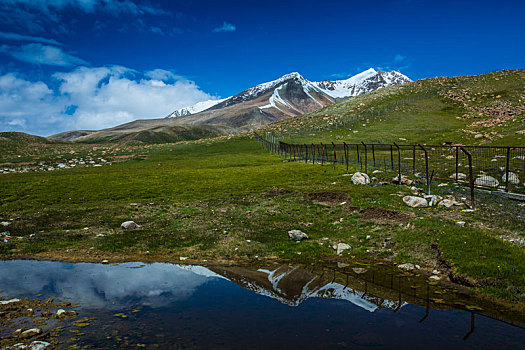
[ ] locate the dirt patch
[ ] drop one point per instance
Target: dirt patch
(276, 191)
(385, 216)
(329, 198)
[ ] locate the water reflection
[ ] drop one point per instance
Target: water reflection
(260, 307)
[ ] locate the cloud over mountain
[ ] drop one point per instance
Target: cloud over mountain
(92, 98)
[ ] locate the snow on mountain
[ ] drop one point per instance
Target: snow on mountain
(196, 108)
(292, 94)
(363, 82)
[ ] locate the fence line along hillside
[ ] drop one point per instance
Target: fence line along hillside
(490, 167)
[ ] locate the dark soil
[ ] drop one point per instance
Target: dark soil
(329, 198)
(385, 216)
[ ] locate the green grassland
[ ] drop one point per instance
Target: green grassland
(228, 200)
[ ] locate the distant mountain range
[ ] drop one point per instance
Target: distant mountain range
(287, 96)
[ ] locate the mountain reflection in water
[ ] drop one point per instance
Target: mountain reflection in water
(293, 306)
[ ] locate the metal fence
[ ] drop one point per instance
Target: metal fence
(489, 167)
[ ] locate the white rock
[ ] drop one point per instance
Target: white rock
(360, 179)
(129, 224)
(415, 202)
(407, 266)
(39, 345)
(5, 223)
(487, 181)
(447, 203)
(105, 261)
(434, 278)
(513, 178)
(460, 223)
(297, 235)
(341, 247)
(60, 313)
(182, 258)
(433, 199)
(30, 333)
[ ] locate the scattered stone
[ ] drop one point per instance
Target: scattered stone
(341, 247)
(360, 179)
(487, 181)
(129, 224)
(460, 223)
(5, 223)
(444, 184)
(460, 176)
(61, 313)
(30, 333)
(105, 261)
(434, 278)
(4, 302)
(359, 270)
(415, 202)
(297, 235)
(407, 266)
(182, 258)
(435, 272)
(447, 203)
(433, 199)
(513, 178)
(404, 180)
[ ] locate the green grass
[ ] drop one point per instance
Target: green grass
(205, 200)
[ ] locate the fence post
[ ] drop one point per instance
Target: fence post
(457, 163)
(293, 148)
(346, 155)
(392, 157)
(471, 176)
(306, 155)
(313, 154)
(366, 157)
(414, 159)
(358, 158)
(507, 170)
(335, 156)
(398, 162)
(426, 168)
(374, 155)
(322, 155)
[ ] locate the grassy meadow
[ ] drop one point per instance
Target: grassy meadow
(228, 200)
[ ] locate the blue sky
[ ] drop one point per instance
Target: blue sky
(88, 64)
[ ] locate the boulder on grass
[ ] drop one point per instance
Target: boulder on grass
(360, 179)
(415, 202)
(486, 181)
(129, 224)
(513, 178)
(297, 235)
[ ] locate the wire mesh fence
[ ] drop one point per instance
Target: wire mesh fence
(490, 167)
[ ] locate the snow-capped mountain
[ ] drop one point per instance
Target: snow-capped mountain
(292, 94)
(364, 82)
(196, 108)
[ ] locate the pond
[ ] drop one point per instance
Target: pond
(161, 305)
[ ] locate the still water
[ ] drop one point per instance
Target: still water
(160, 305)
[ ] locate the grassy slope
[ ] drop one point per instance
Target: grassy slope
(187, 195)
(445, 107)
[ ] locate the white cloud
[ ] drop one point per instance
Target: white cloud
(89, 6)
(92, 98)
(226, 27)
(34, 39)
(42, 54)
